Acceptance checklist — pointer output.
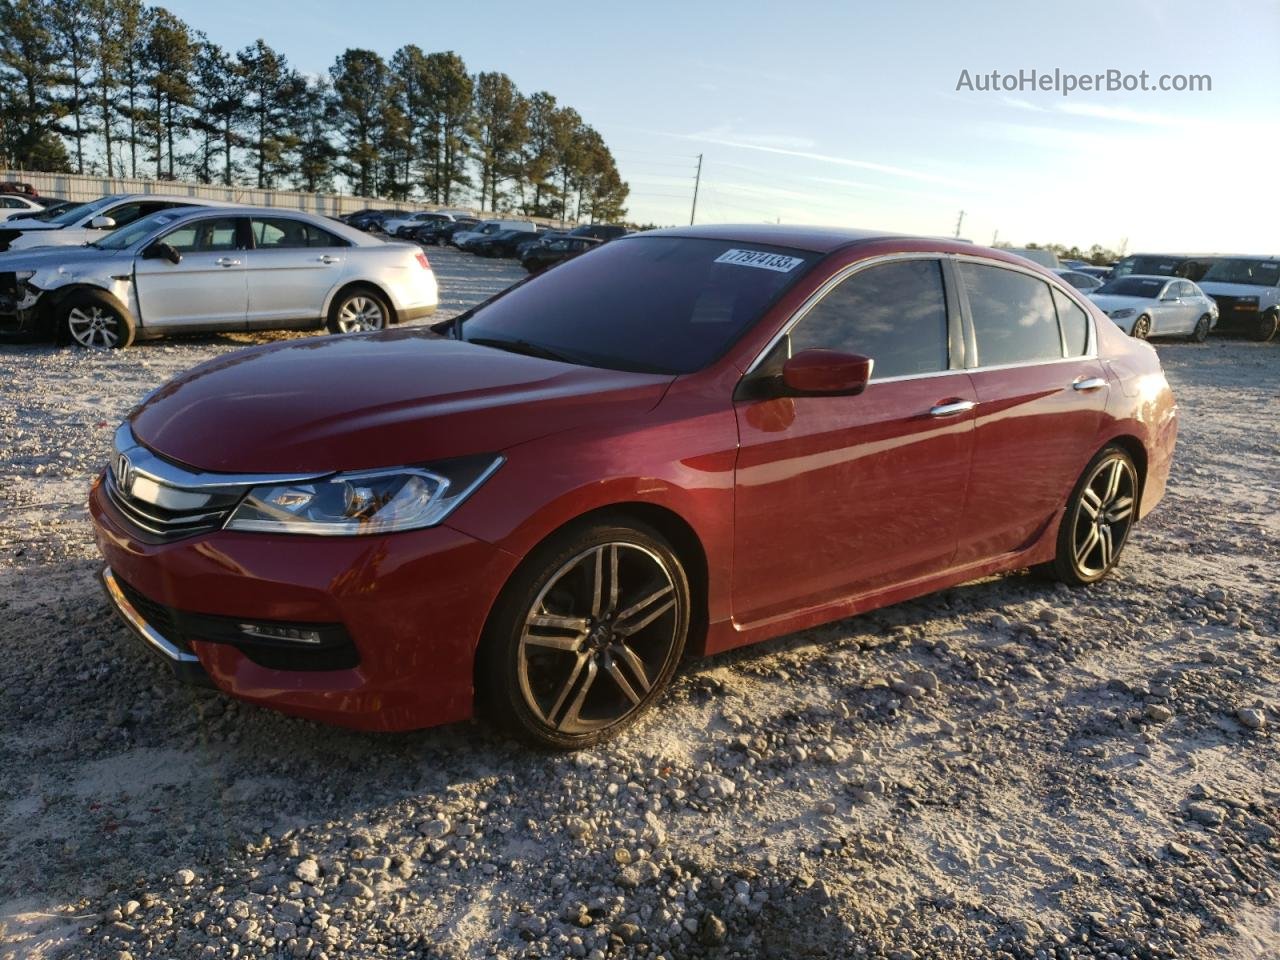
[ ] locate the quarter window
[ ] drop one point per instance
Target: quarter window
(1074, 322)
(283, 233)
(894, 313)
(1014, 320)
(204, 236)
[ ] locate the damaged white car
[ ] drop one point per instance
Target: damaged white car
(214, 268)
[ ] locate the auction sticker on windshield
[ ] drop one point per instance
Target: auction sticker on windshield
(760, 259)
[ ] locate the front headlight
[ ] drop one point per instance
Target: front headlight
(365, 502)
(1122, 313)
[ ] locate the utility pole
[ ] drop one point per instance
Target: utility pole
(697, 181)
(995, 235)
(958, 223)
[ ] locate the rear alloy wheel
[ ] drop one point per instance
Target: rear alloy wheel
(1098, 519)
(589, 634)
(358, 311)
(1266, 327)
(1201, 333)
(1142, 327)
(92, 321)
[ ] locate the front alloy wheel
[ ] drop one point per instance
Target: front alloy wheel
(588, 639)
(1201, 333)
(1098, 519)
(1142, 327)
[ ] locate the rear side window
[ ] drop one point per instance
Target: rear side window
(1074, 322)
(1014, 320)
(894, 313)
(284, 233)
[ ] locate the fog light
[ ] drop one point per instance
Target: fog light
(287, 634)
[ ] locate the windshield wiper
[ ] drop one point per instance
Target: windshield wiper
(523, 347)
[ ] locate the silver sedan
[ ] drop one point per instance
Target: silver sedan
(215, 268)
(1150, 306)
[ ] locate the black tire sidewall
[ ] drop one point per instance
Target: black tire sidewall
(89, 298)
(497, 663)
(350, 293)
(1267, 324)
(1064, 566)
(1204, 323)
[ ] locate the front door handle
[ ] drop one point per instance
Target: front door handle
(1088, 383)
(951, 408)
(227, 262)
(328, 259)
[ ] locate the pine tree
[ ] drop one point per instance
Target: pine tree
(449, 98)
(500, 124)
(171, 59)
(29, 76)
(360, 92)
(74, 35)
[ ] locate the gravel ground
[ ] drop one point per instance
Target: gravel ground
(1006, 769)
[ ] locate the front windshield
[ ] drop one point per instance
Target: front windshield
(1151, 266)
(1255, 273)
(655, 304)
(1134, 287)
(71, 214)
(141, 228)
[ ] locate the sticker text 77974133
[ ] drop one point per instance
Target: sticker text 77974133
(760, 259)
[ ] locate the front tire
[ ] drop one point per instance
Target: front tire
(93, 321)
(1201, 333)
(1142, 327)
(1266, 327)
(359, 310)
(1099, 515)
(586, 636)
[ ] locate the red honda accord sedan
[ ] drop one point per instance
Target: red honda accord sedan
(681, 442)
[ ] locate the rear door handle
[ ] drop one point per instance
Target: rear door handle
(227, 262)
(1088, 383)
(328, 259)
(952, 408)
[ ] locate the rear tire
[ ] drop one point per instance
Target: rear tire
(586, 635)
(1201, 333)
(92, 320)
(1100, 514)
(359, 310)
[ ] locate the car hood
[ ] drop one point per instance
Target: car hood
(1234, 289)
(376, 400)
(1109, 301)
(30, 223)
(57, 259)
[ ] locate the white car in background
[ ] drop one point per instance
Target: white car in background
(215, 268)
(87, 222)
(1150, 306)
(16, 205)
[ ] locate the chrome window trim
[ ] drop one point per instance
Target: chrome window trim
(1091, 347)
(834, 281)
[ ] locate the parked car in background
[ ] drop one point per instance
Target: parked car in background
(556, 487)
(438, 234)
(21, 189)
(1157, 307)
(215, 268)
(599, 231)
(542, 255)
(403, 224)
(1247, 291)
(18, 205)
(1079, 279)
(530, 242)
(368, 220)
(88, 222)
(488, 228)
(504, 243)
(1185, 265)
(1100, 273)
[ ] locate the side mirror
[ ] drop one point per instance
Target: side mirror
(102, 223)
(161, 251)
(828, 373)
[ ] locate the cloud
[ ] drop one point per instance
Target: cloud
(1121, 114)
(1021, 104)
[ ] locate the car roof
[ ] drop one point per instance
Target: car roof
(357, 237)
(179, 197)
(1150, 276)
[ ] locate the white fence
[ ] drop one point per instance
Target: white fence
(70, 186)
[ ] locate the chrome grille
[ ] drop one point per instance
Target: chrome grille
(162, 523)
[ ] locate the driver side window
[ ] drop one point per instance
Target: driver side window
(204, 236)
(894, 313)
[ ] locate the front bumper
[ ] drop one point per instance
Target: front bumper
(20, 307)
(413, 604)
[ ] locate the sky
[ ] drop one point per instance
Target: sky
(848, 113)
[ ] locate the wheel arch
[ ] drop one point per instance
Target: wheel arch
(1135, 448)
(349, 285)
(53, 300)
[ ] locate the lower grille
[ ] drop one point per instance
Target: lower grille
(157, 615)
